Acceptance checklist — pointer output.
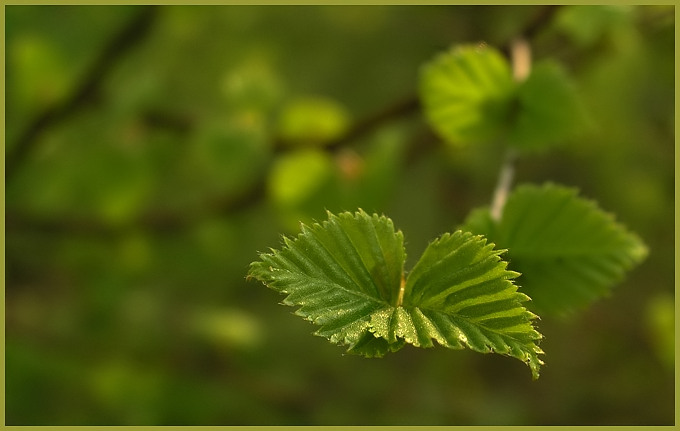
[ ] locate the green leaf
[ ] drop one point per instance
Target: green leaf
(467, 93)
(460, 292)
(347, 275)
(659, 317)
(549, 109)
(569, 251)
(469, 96)
(339, 272)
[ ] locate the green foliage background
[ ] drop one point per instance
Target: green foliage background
(131, 220)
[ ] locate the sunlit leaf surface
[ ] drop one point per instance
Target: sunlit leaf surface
(346, 275)
(466, 93)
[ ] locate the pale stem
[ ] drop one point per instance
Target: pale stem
(402, 289)
(521, 59)
(500, 194)
(520, 52)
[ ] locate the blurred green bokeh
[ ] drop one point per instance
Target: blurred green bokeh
(131, 221)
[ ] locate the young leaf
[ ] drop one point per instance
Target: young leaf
(469, 96)
(569, 251)
(466, 93)
(347, 275)
(462, 292)
(340, 273)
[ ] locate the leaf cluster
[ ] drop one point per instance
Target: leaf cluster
(470, 96)
(347, 275)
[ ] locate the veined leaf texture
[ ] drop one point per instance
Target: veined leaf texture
(569, 251)
(347, 275)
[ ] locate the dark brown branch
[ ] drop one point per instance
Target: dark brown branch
(369, 124)
(158, 221)
(164, 221)
(171, 122)
(539, 21)
(85, 93)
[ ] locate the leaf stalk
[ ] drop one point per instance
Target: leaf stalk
(402, 289)
(520, 52)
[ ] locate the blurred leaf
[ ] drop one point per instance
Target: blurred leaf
(41, 72)
(301, 185)
(368, 178)
(660, 322)
(586, 24)
(469, 96)
(111, 182)
(347, 275)
(228, 155)
(232, 328)
(131, 391)
(298, 175)
(312, 121)
(569, 251)
(549, 109)
(466, 93)
(252, 85)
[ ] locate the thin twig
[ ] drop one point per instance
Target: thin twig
(521, 68)
(86, 92)
(500, 194)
